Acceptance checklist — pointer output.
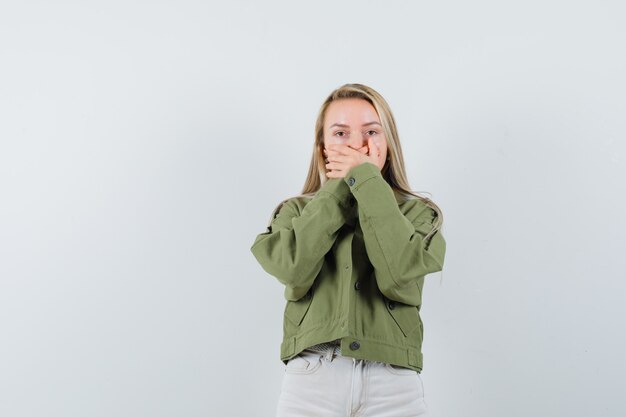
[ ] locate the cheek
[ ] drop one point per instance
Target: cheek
(333, 139)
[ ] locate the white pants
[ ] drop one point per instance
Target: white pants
(325, 384)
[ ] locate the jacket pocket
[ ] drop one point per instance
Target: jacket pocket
(296, 310)
(406, 316)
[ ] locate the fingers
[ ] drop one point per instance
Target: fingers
(334, 156)
(334, 166)
(340, 149)
(340, 158)
(337, 158)
(334, 174)
(375, 153)
(373, 145)
(335, 163)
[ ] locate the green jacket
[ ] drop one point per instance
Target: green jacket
(353, 260)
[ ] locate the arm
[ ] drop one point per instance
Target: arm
(296, 242)
(394, 241)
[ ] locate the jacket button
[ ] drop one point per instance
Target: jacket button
(392, 305)
(355, 345)
(352, 201)
(357, 285)
(351, 181)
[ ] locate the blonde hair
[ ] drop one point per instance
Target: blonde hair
(393, 171)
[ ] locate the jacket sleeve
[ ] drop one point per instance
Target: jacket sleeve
(395, 243)
(296, 242)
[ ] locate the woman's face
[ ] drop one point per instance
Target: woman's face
(352, 121)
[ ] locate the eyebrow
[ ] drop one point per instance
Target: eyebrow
(343, 125)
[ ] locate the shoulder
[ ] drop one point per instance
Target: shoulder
(291, 205)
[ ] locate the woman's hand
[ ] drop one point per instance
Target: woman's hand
(341, 158)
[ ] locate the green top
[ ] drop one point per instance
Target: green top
(353, 259)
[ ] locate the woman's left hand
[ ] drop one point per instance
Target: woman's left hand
(341, 158)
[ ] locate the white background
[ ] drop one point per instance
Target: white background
(144, 145)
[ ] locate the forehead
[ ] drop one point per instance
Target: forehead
(350, 111)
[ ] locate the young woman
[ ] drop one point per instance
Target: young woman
(352, 251)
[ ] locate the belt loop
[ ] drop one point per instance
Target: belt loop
(329, 354)
(332, 352)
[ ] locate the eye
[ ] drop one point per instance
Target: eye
(374, 132)
(338, 133)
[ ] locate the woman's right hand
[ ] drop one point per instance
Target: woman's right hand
(341, 158)
(364, 150)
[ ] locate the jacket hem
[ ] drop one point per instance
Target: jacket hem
(369, 349)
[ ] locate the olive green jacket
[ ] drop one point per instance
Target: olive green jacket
(353, 259)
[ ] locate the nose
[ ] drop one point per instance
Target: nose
(356, 141)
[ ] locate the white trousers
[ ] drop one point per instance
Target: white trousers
(326, 384)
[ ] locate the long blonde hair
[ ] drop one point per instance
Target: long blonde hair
(393, 171)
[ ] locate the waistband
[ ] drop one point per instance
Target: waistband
(329, 348)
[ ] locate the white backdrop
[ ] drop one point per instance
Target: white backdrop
(144, 145)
